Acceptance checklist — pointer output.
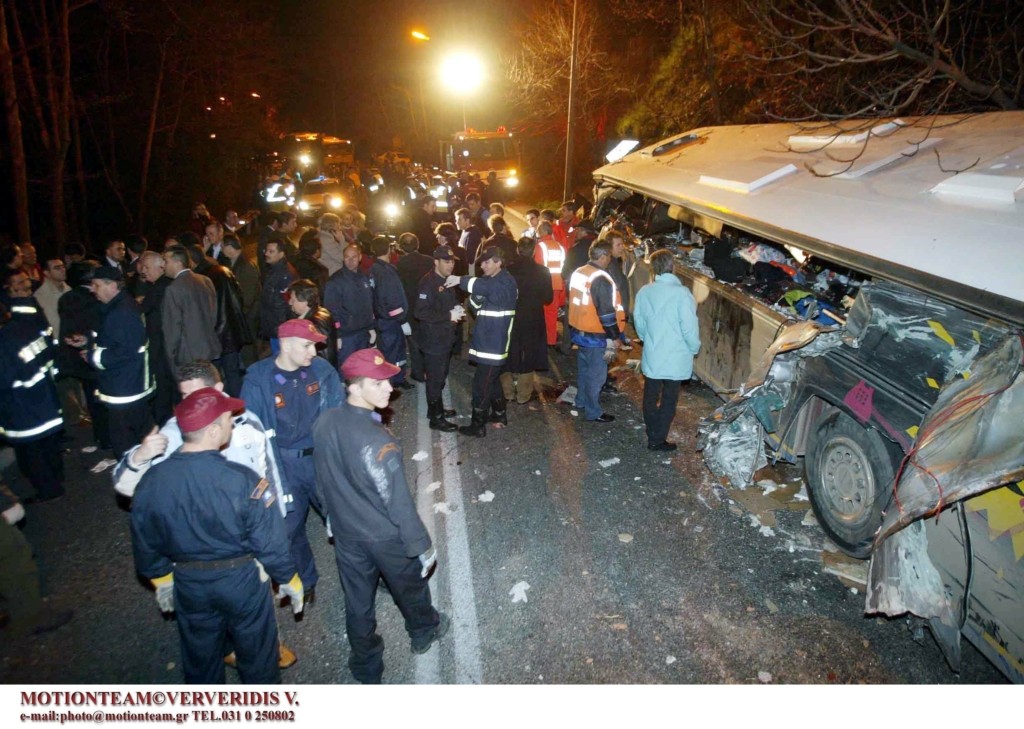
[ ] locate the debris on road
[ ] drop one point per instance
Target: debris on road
(518, 591)
(442, 508)
(809, 519)
(625, 538)
(608, 462)
(433, 486)
(669, 660)
(764, 677)
(89, 449)
(568, 395)
(486, 496)
(419, 456)
(853, 573)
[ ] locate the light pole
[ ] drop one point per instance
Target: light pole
(462, 73)
(569, 137)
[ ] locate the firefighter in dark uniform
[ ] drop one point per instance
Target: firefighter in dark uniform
(288, 393)
(492, 297)
(438, 311)
(348, 295)
(30, 414)
(199, 523)
(377, 532)
(390, 309)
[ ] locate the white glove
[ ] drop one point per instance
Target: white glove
(458, 312)
(165, 592)
(428, 559)
(373, 336)
(407, 329)
(295, 591)
(15, 514)
(263, 573)
(451, 281)
(609, 350)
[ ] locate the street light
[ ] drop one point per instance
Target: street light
(420, 35)
(462, 73)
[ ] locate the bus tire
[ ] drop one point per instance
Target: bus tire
(849, 482)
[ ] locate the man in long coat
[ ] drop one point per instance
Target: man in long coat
(527, 349)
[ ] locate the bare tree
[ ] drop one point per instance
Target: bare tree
(14, 133)
(878, 58)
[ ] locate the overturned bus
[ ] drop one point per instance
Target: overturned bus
(860, 293)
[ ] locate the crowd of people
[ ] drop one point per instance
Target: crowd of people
(238, 376)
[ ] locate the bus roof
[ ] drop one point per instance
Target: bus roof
(932, 202)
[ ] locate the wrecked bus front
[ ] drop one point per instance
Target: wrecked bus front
(859, 298)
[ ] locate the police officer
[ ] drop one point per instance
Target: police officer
(288, 393)
(199, 523)
(493, 298)
(349, 297)
(390, 308)
(30, 414)
(438, 311)
(120, 354)
(377, 532)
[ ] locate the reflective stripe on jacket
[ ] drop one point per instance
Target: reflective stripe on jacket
(584, 314)
(551, 255)
(493, 300)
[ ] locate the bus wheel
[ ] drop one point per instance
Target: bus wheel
(849, 481)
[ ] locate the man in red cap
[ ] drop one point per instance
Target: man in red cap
(199, 523)
(377, 531)
(287, 393)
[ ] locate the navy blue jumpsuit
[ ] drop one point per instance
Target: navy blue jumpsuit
(206, 519)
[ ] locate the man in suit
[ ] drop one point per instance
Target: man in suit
(248, 277)
(189, 312)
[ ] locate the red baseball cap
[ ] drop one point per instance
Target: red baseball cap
(368, 363)
(204, 406)
(301, 328)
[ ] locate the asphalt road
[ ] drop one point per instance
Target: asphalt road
(555, 568)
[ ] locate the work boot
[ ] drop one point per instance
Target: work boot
(435, 413)
(499, 413)
(478, 426)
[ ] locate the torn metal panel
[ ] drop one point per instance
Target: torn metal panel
(970, 441)
(732, 440)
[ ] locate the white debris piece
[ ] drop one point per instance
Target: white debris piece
(764, 677)
(669, 660)
(442, 508)
(698, 529)
(485, 497)
(419, 455)
(754, 521)
(767, 531)
(801, 495)
(518, 591)
(574, 413)
(89, 449)
(636, 478)
(433, 486)
(608, 462)
(103, 465)
(625, 538)
(767, 486)
(536, 473)
(809, 519)
(568, 395)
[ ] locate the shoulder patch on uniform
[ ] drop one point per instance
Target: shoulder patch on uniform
(313, 388)
(389, 448)
(257, 492)
(278, 400)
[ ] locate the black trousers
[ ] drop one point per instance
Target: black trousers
(163, 400)
(128, 425)
(416, 358)
(436, 367)
(660, 398)
(360, 566)
(486, 386)
(230, 366)
(41, 462)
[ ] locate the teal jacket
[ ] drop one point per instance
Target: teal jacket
(665, 317)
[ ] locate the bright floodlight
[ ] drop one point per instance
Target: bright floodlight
(462, 73)
(621, 150)
(420, 35)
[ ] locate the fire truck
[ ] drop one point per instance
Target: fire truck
(483, 152)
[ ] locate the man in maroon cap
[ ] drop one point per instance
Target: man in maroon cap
(199, 523)
(377, 531)
(287, 393)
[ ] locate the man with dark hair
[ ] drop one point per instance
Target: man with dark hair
(377, 532)
(575, 257)
(477, 213)
(437, 312)
(268, 229)
(213, 241)
(493, 298)
(80, 314)
(307, 263)
(188, 312)
(30, 415)
(115, 253)
(120, 354)
(273, 299)
(421, 222)
(390, 308)
(471, 234)
(500, 238)
(412, 267)
(532, 219)
(199, 523)
(73, 253)
(288, 392)
(596, 320)
(304, 300)
(527, 347)
(151, 272)
(565, 226)
(248, 277)
(349, 297)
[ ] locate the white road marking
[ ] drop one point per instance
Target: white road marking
(427, 665)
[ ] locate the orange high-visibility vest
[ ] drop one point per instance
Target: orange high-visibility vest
(550, 254)
(582, 312)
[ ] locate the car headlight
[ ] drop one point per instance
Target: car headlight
(336, 202)
(511, 181)
(391, 210)
(303, 205)
(374, 188)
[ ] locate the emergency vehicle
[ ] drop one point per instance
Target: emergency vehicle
(485, 152)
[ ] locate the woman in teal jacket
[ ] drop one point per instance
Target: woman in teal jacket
(665, 317)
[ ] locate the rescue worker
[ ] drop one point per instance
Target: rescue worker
(120, 354)
(438, 312)
(30, 413)
(349, 297)
(493, 300)
(390, 308)
(249, 446)
(288, 393)
(596, 321)
(377, 532)
(565, 227)
(199, 523)
(412, 267)
(551, 255)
